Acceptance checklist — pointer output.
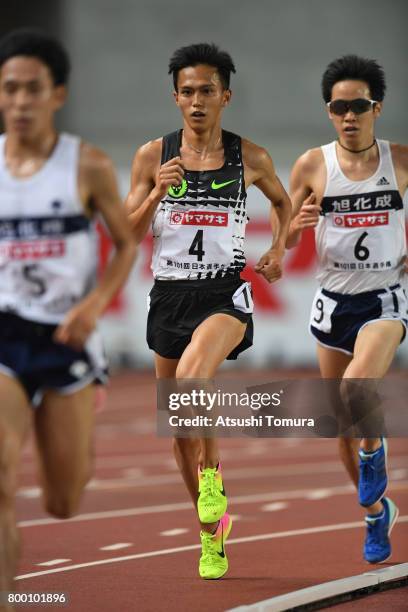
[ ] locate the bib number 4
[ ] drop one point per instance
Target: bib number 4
(196, 247)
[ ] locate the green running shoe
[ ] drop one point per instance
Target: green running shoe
(212, 502)
(213, 560)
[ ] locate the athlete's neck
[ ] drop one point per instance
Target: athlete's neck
(203, 143)
(24, 157)
(364, 150)
(39, 147)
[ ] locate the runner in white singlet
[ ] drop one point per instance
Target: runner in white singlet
(351, 191)
(51, 187)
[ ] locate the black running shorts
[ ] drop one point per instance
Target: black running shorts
(177, 308)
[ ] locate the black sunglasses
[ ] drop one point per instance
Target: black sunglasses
(357, 106)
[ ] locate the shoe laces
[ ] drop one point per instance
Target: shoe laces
(208, 485)
(367, 471)
(375, 534)
(208, 548)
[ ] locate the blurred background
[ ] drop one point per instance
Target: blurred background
(121, 96)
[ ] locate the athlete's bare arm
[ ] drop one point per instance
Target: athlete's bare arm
(99, 191)
(149, 184)
(400, 159)
(306, 191)
(260, 171)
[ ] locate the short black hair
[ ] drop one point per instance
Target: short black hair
(34, 43)
(202, 53)
(352, 67)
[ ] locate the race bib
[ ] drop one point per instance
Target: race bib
(196, 240)
(369, 241)
(242, 299)
(322, 310)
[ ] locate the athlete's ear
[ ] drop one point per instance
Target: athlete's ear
(60, 95)
(227, 94)
(378, 109)
(328, 111)
(176, 97)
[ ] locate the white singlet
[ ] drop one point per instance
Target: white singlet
(360, 238)
(48, 247)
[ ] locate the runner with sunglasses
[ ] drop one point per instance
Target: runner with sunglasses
(191, 186)
(351, 191)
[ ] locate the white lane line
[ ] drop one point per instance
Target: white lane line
(133, 472)
(398, 474)
(180, 549)
(117, 546)
(295, 469)
(54, 562)
(319, 494)
(177, 507)
(274, 507)
(174, 532)
(29, 492)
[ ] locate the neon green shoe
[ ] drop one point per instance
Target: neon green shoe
(213, 560)
(212, 502)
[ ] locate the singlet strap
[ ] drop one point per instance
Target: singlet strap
(170, 146)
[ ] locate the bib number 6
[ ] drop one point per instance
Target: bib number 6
(196, 247)
(361, 252)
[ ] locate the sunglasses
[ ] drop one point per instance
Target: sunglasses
(357, 106)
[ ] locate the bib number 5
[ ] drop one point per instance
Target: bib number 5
(35, 284)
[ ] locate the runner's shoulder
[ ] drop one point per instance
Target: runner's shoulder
(399, 153)
(309, 162)
(150, 152)
(253, 154)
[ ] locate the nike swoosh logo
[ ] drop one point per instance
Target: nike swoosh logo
(222, 553)
(215, 185)
(223, 491)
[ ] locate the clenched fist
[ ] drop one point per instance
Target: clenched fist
(170, 174)
(270, 265)
(308, 215)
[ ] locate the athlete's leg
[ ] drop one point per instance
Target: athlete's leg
(210, 345)
(374, 351)
(333, 364)
(15, 420)
(64, 425)
(186, 450)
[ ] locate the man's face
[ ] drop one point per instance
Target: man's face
(201, 96)
(28, 96)
(352, 127)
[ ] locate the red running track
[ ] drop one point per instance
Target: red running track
(297, 522)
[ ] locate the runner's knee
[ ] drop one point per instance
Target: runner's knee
(192, 368)
(64, 503)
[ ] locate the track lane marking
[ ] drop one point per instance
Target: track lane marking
(152, 480)
(180, 549)
(180, 506)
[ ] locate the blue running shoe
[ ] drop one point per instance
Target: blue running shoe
(377, 546)
(373, 475)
